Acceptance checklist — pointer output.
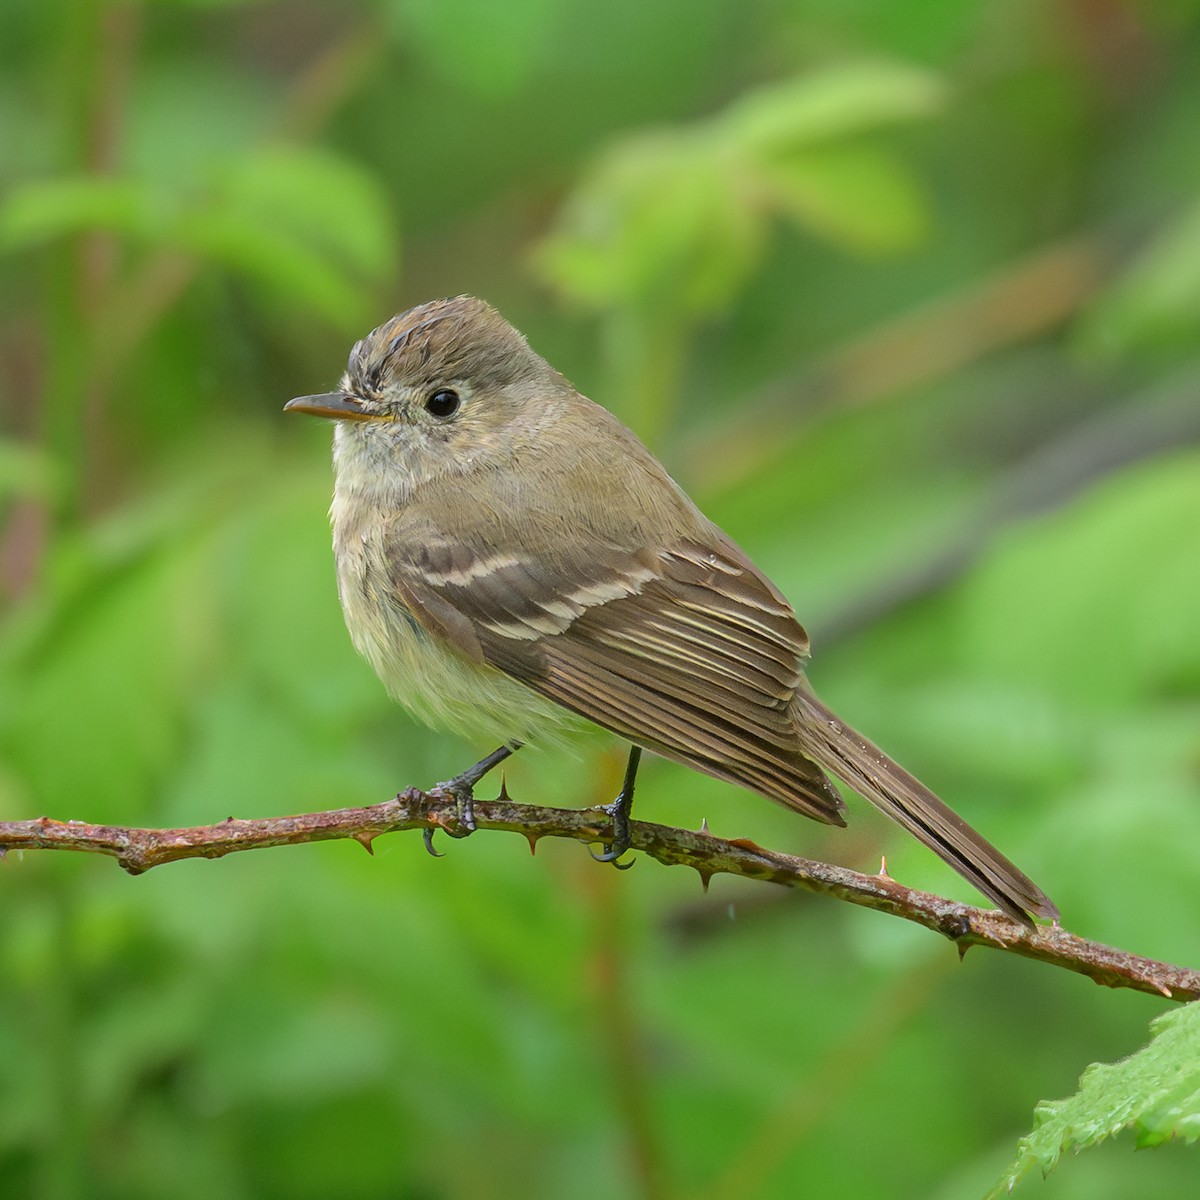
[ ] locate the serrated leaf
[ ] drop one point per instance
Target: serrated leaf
(1155, 1093)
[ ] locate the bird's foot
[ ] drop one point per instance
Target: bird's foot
(618, 812)
(461, 789)
(622, 838)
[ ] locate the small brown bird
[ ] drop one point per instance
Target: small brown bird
(511, 558)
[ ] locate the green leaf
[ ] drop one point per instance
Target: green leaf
(830, 105)
(681, 217)
(307, 224)
(34, 213)
(277, 260)
(95, 716)
(485, 47)
(26, 470)
(859, 196)
(1155, 1092)
(1156, 302)
(302, 222)
(660, 218)
(1097, 600)
(320, 200)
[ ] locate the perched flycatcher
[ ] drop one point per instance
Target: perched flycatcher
(510, 557)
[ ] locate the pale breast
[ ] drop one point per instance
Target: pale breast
(428, 678)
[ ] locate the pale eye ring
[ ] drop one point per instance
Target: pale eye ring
(443, 403)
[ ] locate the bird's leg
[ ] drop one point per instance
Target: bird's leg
(462, 789)
(619, 811)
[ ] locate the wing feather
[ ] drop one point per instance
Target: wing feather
(688, 652)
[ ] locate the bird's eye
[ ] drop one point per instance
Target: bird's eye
(443, 403)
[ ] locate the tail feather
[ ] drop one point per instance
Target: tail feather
(847, 754)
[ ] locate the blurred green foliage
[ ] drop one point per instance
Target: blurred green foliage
(906, 297)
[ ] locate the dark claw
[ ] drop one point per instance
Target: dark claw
(461, 789)
(618, 811)
(611, 856)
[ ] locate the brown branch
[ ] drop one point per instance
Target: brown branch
(138, 850)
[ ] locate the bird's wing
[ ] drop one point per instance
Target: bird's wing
(687, 651)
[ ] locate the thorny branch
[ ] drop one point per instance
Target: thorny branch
(138, 850)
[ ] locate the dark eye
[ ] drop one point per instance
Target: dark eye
(443, 403)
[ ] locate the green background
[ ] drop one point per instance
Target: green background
(906, 295)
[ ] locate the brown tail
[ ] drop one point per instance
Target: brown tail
(850, 756)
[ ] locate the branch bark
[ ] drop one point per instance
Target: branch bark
(137, 850)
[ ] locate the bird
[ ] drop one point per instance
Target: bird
(515, 563)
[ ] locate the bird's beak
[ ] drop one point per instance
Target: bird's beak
(338, 406)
